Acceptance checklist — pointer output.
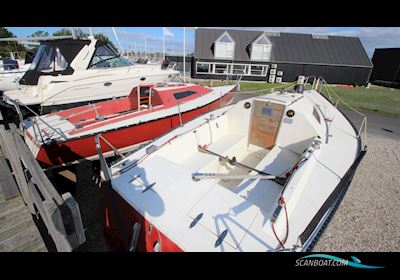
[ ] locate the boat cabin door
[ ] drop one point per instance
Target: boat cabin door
(144, 94)
(265, 120)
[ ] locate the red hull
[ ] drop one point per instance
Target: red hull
(85, 147)
(118, 218)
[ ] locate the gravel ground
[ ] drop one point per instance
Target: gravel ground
(366, 220)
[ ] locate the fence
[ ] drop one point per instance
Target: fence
(60, 213)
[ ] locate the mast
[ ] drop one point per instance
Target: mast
(184, 55)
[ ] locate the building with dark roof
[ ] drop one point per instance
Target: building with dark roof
(386, 67)
(279, 57)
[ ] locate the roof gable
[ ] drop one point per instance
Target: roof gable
(262, 40)
(225, 38)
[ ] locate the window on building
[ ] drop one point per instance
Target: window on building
(260, 49)
(273, 34)
(320, 36)
(231, 68)
(222, 69)
(203, 68)
(224, 47)
(240, 69)
(257, 70)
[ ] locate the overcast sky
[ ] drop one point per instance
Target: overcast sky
(133, 38)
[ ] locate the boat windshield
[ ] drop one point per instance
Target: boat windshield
(106, 57)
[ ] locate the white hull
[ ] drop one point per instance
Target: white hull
(90, 86)
(9, 79)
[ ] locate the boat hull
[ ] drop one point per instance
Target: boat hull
(118, 219)
(85, 147)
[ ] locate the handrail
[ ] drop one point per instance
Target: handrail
(60, 213)
(319, 87)
(17, 104)
(103, 162)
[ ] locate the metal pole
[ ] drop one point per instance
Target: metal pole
(163, 45)
(180, 114)
(184, 55)
(119, 43)
(73, 33)
(145, 45)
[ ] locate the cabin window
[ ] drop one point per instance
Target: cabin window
(106, 57)
(60, 63)
(37, 57)
(49, 59)
(45, 64)
(183, 94)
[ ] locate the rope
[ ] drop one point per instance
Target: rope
(281, 242)
(363, 124)
(269, 89)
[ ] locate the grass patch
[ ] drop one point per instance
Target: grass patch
(376, 98)
(245, 87)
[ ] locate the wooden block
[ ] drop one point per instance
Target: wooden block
(68, 174)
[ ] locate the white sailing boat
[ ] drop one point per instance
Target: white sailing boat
(260, 175)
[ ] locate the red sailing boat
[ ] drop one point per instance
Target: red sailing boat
(148, 112)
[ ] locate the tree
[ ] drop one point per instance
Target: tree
(104, 39)
(40, 33)
(67, 32)
(11, 46)
(81, 35)
(62, 32)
